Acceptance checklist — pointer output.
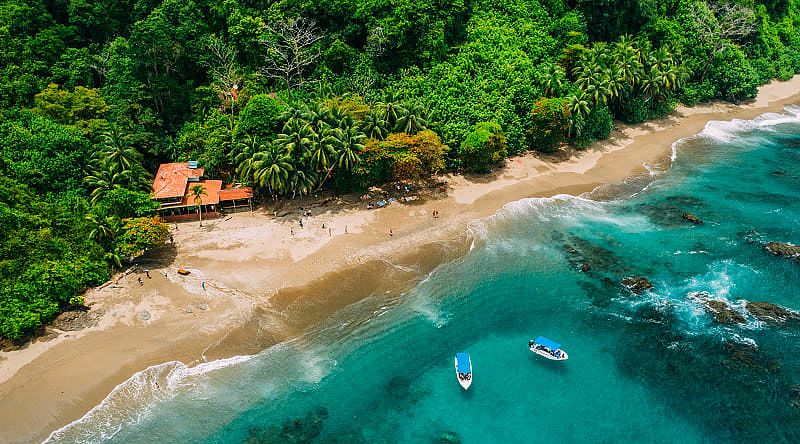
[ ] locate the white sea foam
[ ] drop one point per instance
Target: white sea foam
(725, 131)
(133, 400)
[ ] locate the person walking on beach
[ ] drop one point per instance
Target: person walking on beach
(329, 232)
(203, 284)
(139, 279)
(147, 272)
(390, 232)
(345, 229)
(291, 230)
(301, 223)
(171, 240)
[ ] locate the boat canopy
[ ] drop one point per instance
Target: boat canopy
(552, 345)
(463, 362)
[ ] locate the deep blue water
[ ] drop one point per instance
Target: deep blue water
(652, 368)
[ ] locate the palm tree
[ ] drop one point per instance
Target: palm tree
(321, 148)
(301, 181)
(392, 112)
(374, 127)
(116, 148)
(244, 159)
(554, 81)
(295, 139)
(198, 191)
(104, 229)
(348, 143)
(414, 121)
(104, 176)
(314, 114)
(271, 169)
(627, 59)
(578, 110)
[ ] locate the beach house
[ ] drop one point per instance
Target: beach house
(172, 188)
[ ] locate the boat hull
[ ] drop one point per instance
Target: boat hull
(543, 353)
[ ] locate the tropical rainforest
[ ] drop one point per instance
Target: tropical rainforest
(296, 96)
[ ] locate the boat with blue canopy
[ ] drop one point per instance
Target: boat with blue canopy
(463, 369)
(548, 348)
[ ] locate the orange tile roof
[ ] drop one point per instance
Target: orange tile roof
(172, 178)
(235, 193)
(210, 198)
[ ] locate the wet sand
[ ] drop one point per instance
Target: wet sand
(254, 283)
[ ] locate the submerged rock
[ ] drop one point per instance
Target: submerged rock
(784, 250)
(448, 438)
(771, 313)
(692, 218)
(636, 284)
(720, 310)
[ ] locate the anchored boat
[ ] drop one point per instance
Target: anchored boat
(463, 369)
(547, 348)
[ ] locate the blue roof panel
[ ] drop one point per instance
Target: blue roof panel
(552, 345)
(463, 362)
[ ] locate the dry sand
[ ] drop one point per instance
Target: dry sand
(264, 284)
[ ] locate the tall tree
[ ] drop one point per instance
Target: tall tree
(291, 50)
(720, 23)
(197, 192)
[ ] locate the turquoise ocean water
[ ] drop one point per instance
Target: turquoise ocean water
(652, 368)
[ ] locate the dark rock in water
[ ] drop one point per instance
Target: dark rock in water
(692, 218)
(636, 284)
(448, 438)
(720, 310)
(784, 250)
(771, 313)
(795, 396)
(585, 256)
(746, 355)
(293, 431)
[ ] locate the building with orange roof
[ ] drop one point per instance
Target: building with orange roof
(172, 188)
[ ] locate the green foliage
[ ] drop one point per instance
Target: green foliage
(47, 156)
(82, 107)
(139, 235)
(46, 257)
(483, 147)
(547, 124)
(124, 203)
(261, 117)
(733, 76)
(599, 123)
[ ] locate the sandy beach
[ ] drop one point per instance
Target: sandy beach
(259, 278)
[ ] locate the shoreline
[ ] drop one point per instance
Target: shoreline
(254, 284)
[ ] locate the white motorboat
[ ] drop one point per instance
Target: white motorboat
(463, 369)
(547, 348)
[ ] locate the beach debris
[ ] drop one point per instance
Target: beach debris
(783, 249)
(145, 315)
(720, 310)
(771, 313)
(183, 271)
(692, 218)
(636, 284)
(78, 319)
